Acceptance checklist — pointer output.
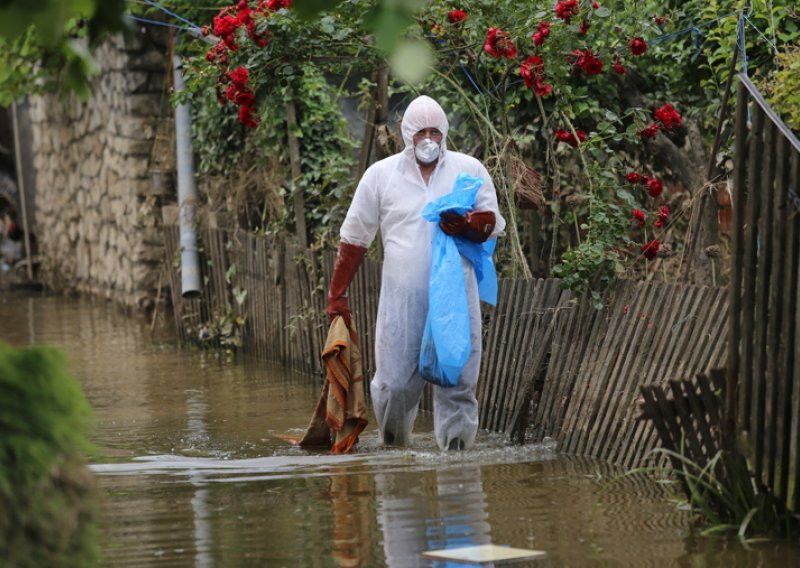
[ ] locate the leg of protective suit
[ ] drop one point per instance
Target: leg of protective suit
(397, 386)
(396, 404)
(455, 409)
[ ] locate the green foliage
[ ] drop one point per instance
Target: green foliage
(782, 86)
(697, 63)
(45, 45)
(495, 115)
(45, 489)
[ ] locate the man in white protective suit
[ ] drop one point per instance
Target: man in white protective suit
(391, 196)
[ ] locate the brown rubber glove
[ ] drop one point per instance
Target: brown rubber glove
(347, 262)
(476, 226)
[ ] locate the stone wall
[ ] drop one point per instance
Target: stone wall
(97, 210)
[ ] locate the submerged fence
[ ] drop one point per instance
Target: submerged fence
(552, 365)
(764, 359)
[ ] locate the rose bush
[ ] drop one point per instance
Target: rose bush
(559, 86)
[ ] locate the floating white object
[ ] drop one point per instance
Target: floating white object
(483, 553)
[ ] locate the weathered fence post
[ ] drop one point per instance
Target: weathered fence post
(298, 199)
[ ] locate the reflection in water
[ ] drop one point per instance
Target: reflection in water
(351, 498)
(451, 501)
(202, 528)
(460, 518)
(196, 471)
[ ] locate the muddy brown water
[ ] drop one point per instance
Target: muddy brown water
(195, 471)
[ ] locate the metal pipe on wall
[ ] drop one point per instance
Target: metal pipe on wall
(187, 191)
(21, 186)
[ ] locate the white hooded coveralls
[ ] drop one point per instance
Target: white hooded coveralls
(391, 195)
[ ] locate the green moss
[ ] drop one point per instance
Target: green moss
(46, 491)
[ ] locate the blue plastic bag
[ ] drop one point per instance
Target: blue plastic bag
(446, 341)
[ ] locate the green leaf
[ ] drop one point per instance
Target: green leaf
(307, 9)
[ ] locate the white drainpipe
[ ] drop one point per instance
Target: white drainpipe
(187, 192)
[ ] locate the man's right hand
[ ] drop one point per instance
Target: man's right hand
(344, 269)
(338, 307)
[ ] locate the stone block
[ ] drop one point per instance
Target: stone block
(132, 146)
(135, 127)
(118, 210)
(145, 105)
(72, 233)
(150, 60)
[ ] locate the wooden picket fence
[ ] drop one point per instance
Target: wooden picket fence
(764, 359)
(553, 366)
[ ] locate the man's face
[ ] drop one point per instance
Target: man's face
(433, 133)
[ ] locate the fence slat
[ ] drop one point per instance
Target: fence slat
(761, 318)
(749, 277)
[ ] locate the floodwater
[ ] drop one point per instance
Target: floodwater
(195, 471)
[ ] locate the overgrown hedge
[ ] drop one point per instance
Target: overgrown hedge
(47, 494)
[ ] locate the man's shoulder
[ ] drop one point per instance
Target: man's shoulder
(380, 167)
(465, 160)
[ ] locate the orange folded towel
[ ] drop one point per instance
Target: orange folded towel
(341, 413)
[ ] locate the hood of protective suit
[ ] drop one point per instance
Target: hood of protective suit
(423, 112)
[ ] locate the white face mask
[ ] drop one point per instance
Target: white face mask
(426, 151)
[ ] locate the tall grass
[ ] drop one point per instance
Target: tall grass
(723, 495)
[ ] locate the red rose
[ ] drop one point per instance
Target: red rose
(587, 62)
(542, 89)
(655, 187)
(650, 250)
(246, 117)
(595, 5)
(532, 72)
(565, 9)
(538, 38)
(583, 28)
(530, 69)
(668, 116)
(224, 25)
(456, 16)
(244, 97)
(649, 132)
(498, 45)
(211, 55)
(231, 92)
(564, 136)
(243, 14)
(639, 216)
(663, 212)
(239, 76)
(544, 28)
(632, 177)
(659, 223)
(618, 67)
(275, 5)
(660, 20)
(637, 46)
(262, 40)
